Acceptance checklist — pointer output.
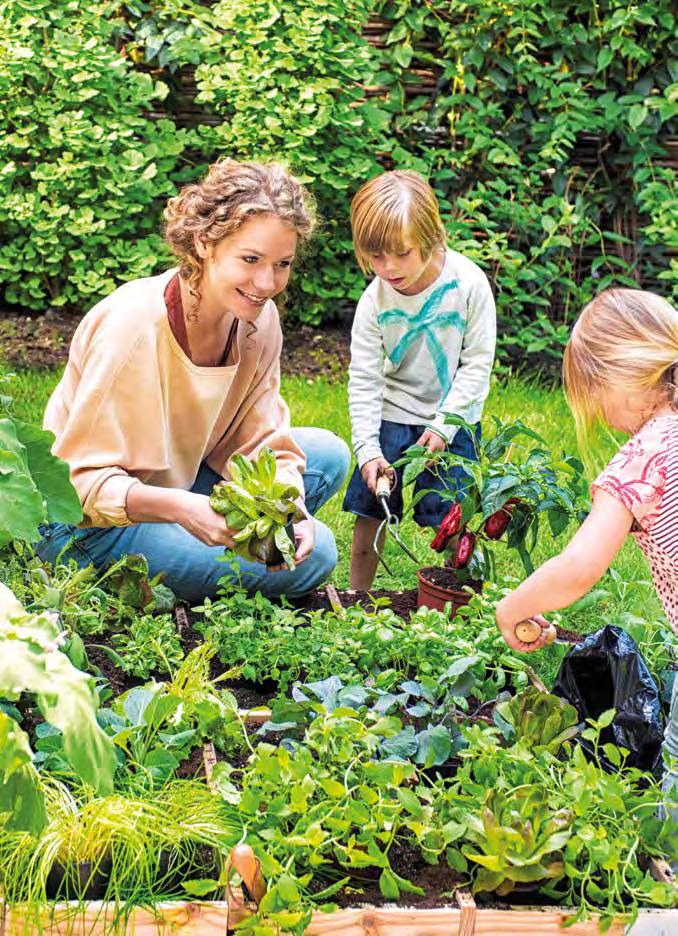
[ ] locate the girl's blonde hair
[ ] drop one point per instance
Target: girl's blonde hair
(624, 339)
(394, 209)
(230, 194)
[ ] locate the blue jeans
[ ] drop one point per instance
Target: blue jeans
(191, 568)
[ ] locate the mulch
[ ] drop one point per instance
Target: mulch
(42, 342)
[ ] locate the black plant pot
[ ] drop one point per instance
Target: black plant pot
(85, 880)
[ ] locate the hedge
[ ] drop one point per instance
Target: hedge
(538, 123)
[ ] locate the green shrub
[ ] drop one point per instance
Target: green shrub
(541, 137)
(287, 82)
(83, 171)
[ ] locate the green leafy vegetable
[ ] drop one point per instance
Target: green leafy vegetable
(259, 508)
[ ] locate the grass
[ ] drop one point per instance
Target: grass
(323, 404)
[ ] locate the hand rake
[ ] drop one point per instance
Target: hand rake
(390, 523)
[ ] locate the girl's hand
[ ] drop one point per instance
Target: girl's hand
(432, 441)
(195, 515)
(373, 469)
(508, 632)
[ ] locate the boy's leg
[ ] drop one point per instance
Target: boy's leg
(363, 557)
(394, 439)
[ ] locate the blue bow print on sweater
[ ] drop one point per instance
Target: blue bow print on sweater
(427, 321)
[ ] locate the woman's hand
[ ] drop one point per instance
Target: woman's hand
(304, 540)
(195, 515)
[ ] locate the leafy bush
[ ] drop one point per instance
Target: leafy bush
(542, 138)
(84, 171)
(539, 128)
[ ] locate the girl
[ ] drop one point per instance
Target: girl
(620, 368)
(422, 346)
(170, 376)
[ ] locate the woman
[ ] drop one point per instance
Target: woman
(170, 376)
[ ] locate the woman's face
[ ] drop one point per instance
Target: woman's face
(243, 271)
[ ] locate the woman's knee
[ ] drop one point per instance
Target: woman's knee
(327, 455)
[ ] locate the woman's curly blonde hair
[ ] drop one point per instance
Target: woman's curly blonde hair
(219, 205)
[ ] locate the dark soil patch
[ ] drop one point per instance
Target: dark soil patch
(444, 577)
(253, 695)
(315, 352)
(193, 766)
(402, 602)
(98, 659)
(569, 636)
(42, 342)
(36, 341)
(437, 881)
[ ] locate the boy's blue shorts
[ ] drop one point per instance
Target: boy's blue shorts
(395, 438)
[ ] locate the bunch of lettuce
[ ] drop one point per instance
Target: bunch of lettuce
(260, 509)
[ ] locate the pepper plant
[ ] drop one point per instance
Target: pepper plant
(508, 490)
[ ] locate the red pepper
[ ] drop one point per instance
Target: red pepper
(449, 526)
(439, 541)
(496, 523)
(451, 521)
(465, 547)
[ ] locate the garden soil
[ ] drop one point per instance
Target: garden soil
(42, 342)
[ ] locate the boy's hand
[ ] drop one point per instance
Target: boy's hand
(432, 441)
(373, 469)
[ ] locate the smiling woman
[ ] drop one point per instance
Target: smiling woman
(169, 377)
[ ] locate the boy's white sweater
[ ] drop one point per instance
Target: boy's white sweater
(416, 358)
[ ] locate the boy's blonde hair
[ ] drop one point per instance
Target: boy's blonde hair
(624, 339)
(391, 210)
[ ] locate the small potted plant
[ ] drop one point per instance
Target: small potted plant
(515, 482)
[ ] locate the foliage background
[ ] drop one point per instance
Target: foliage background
(539, 124)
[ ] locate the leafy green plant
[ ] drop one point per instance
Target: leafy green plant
(150, 644)
(157, 725)
(31, 661)
(543, 720)
(35, 486)
(265, 641)
(259, 508)
(562, 824)
(85, 169)
(507, 491)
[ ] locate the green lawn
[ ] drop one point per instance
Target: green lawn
(319, 403)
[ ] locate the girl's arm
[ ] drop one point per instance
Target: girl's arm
(568, 576)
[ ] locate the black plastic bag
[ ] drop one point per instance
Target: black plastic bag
(606, 671)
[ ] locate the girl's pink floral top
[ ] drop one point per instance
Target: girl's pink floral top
(643, 475)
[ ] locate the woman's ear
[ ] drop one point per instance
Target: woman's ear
(201, 247)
